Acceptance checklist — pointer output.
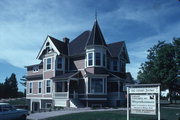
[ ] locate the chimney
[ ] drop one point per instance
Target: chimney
(66, 40)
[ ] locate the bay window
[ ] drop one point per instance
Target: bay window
(97, 85)
(90, 59)
(61, 86)
(98, 58)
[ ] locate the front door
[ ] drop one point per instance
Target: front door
(35, 106)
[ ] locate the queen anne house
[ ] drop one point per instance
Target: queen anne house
(85, 72)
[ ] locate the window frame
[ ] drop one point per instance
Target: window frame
(57, 63)
(97, 58)
(48, 63)
(92, 59)
(30, 88)
(39, 87)
(48, 86)
(35, 69)
(103, 87)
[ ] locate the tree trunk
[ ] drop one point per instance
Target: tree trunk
(170, 96)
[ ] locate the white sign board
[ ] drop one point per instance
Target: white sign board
(143, 104)
(144, 90)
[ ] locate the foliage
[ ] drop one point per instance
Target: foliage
(162, 66)
(9, 89)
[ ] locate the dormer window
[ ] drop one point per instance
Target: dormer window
(35, 68)
(48, 64)
(98, 58)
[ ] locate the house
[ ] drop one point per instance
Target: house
(83, 72)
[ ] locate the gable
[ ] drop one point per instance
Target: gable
(48, 46)
(117, 49)
(124, 54)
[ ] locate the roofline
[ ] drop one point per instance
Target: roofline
(32, 65)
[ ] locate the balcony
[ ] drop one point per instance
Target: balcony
(60, 95)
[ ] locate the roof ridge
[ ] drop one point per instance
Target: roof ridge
(116, 42)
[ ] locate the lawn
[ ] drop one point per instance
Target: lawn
(166, 114)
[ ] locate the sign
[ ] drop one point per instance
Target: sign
(144, 90)
(143, 104)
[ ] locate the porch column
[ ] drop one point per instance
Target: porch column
(118, 90)
(68, 89)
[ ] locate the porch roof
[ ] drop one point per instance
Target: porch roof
(65, 76)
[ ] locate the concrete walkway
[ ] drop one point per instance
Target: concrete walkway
(43, 115)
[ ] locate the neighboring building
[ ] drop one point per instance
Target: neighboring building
(85, 72)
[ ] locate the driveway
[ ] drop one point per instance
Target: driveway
(43, 115)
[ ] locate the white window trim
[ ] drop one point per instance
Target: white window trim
(31, 86)
(46, 64)
(39, 87)
(46, 87)
(88, 59)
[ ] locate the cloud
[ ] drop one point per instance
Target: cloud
(25, 24)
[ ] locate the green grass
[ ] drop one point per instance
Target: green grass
(166, 114)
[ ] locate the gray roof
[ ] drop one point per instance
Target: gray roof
(77, 46)
(114, 48)
(61, 46)
(96, 36)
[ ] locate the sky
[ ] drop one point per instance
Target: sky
(24, 25)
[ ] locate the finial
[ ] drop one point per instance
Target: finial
(96, 14)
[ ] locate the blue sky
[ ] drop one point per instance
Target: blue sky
(24, 25)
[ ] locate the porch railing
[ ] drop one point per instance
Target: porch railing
(116, 96)
(61, 95)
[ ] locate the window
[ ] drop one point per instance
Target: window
(35, 68)
(61, 86)
(48, 64)
(48, 86)
(30, 87)
(59, 63)
(98, 58)
(48, 105)
(90, 59)
(115, 65)
(39, 87)
(104, 60)
(96, 85)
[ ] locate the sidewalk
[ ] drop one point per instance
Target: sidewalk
(43, 115)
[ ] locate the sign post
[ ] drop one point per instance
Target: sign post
(142, 99)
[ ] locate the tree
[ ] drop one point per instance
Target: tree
(160, 66)
(11, 86)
